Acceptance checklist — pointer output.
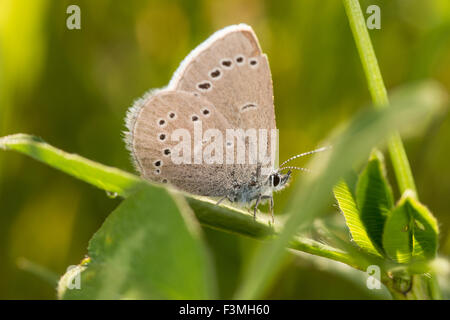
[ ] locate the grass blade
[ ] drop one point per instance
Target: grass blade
(378, 92)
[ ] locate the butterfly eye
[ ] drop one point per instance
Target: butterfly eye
(275, 180)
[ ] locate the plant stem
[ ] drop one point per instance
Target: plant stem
(116, 181)
(423, 287)
(378, 92)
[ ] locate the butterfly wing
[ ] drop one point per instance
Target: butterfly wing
(162, 121)
(230, 77)
(230, 70)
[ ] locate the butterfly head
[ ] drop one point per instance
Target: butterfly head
(278, 181)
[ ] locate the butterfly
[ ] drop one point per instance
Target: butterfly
(223, 85)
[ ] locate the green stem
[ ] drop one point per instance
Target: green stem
(116, 181)
(422, 286)
(378, 92)
(40, 271)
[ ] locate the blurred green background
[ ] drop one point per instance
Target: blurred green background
(73, 87)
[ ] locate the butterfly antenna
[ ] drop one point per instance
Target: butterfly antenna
(295, 168)
(305, 154)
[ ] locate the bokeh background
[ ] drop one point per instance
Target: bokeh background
(73, 87)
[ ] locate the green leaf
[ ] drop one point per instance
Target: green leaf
(352, 218)
(350, 147)
(104, 177)
(148, 248)
(411, 231)
(397, 236)
(425, 231)
(374, 197)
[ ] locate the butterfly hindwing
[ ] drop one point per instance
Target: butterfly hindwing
(160, 124)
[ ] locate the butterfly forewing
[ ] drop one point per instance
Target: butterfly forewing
(230, 70)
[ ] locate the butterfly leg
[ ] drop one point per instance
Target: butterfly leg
(258, 200)
(221, 199)
(270, 206)
(228, 197)
(271, 209)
